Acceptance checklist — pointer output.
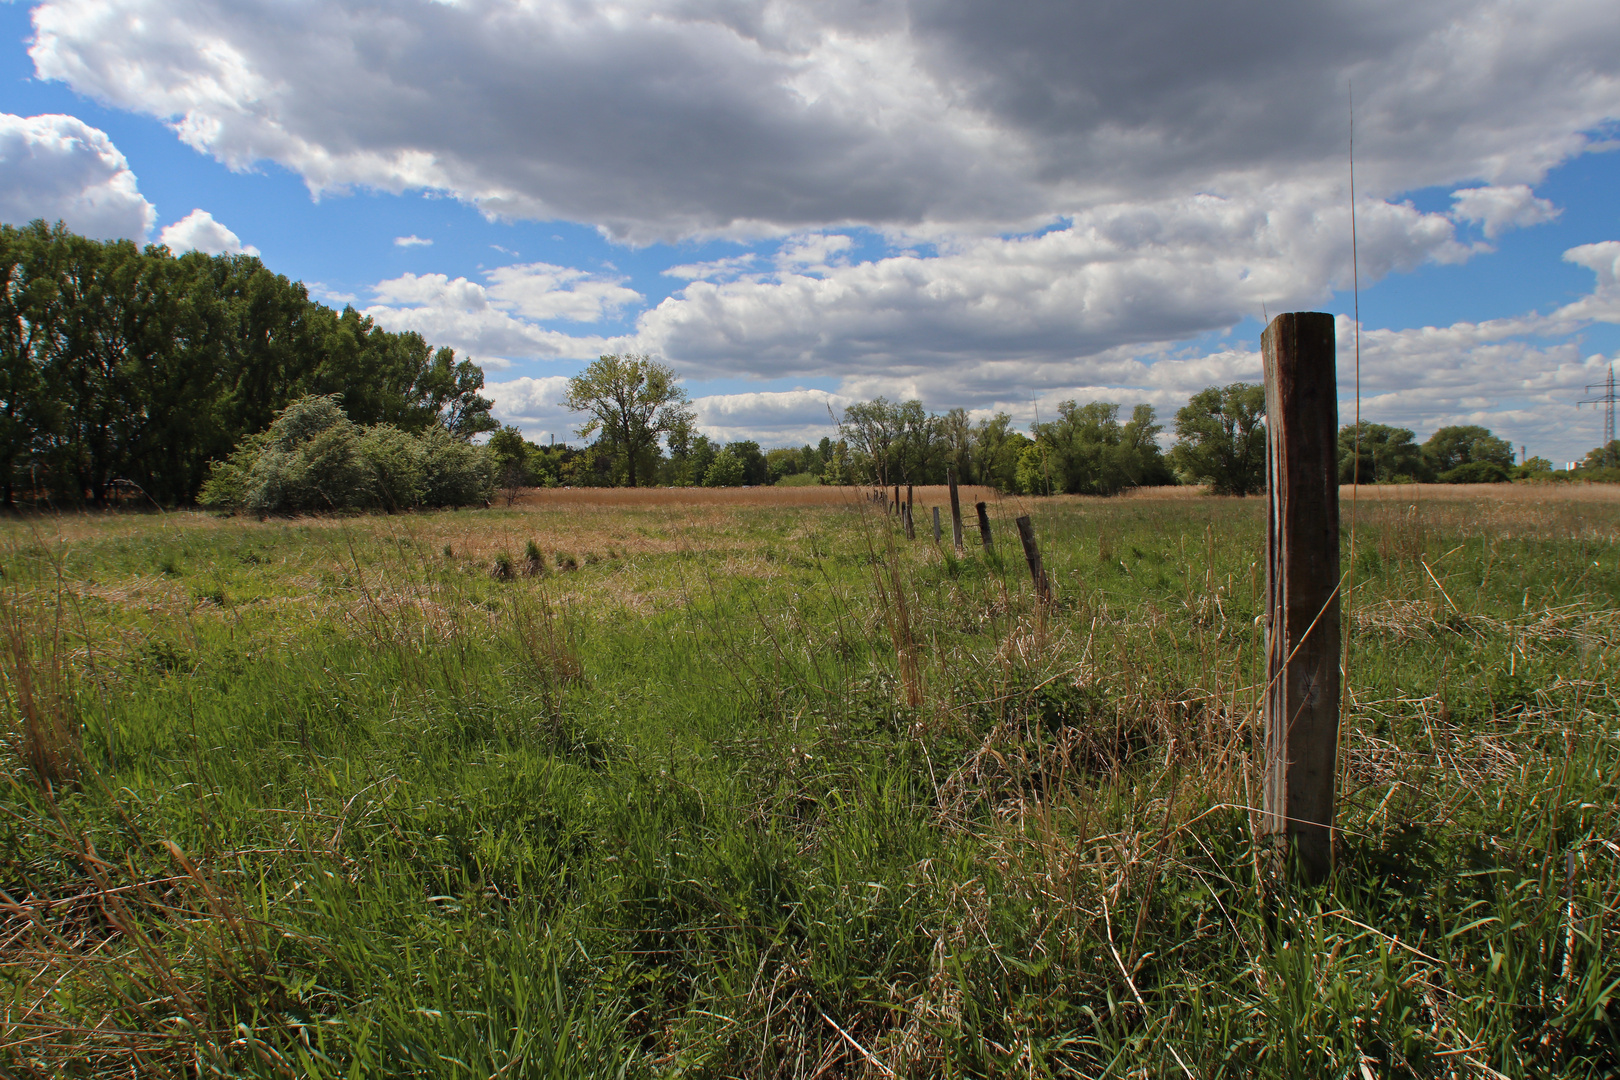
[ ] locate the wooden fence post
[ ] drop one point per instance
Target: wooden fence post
(1302, 588)
(936, 524)
(905, 515)
(1032, 555)
(897, 500)
(984, 526)
(956, 511)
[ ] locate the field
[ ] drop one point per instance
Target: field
(721, 784)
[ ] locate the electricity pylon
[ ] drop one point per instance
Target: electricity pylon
(1607, 400)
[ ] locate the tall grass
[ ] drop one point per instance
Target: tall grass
(767, 790)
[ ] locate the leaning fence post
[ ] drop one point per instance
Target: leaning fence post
(1032, 555)
(984, 526)
(936, 525)
(1302, 588)
(956, 511)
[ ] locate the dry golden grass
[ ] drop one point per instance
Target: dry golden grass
(569, 498)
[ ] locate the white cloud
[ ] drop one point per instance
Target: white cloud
(198, 231)
(61, 169)
(535, 406)
(412, 241)
(498, 322)
(1130, 275)
(770, 417)
(724, 269)
(669, 118)
(1499, 209)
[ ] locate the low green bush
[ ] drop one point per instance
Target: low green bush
(313, 458)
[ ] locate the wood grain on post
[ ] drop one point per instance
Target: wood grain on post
(956, 511)
(984, 526)
(936, 524)
(1032, 555)
(1302, 587)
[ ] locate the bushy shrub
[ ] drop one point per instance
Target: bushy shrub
(311, 461)
(458, 473)
(1476, 472)
(314, 458)
(399, 464)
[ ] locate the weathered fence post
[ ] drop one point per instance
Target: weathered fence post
(956, 511)
(905, 515)
(1032, 555)
(936, 524)
(1302, 588)
(897, 500)
(984, 526)
(908, 498)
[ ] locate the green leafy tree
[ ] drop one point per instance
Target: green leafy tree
(1087, 451)
(1388, 455)
(123, 364)
(1221, 439)
(870, 429)
(632, 402)
(995, 449)
(728, 469)
(29, 312)
(1450, 448)
(509, 454)
(1603, 457)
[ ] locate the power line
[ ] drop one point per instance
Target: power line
(1607, 400)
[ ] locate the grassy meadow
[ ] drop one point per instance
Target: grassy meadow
(743, 783)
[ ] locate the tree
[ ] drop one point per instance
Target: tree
(870, 428)
(1451, 448)
(1389, 455)
(1087, 451)
(1602, 457)
(996, 448)
(1221, 440)
(633, 401)
(510, 453)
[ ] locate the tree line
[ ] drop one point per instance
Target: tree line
(643, 425)
(132, 368)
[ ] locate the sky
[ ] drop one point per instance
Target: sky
(801, 205)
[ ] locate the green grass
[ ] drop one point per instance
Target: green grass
(764, 791)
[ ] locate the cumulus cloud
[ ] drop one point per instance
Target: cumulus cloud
(961, 323)
(499, 321)
(1499, 209)
(534, 405)
(198, 231)
(61, 169)
(412, 241)
(781, 416)
(668, 118)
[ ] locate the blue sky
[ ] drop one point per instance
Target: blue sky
(802, 205)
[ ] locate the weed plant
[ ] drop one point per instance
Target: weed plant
(774, 792)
